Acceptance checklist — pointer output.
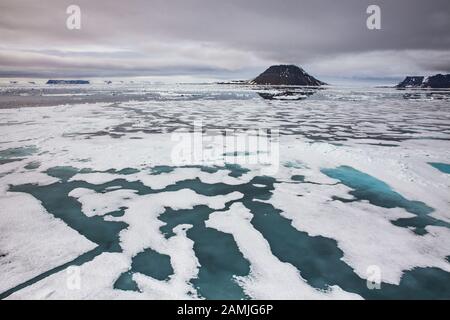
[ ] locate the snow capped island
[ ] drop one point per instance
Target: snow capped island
(437, 81)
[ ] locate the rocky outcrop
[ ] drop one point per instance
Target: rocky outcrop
(438, 81)
(288, 75)
(411, 82)
(67, 82)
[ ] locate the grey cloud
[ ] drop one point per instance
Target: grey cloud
(229, 38)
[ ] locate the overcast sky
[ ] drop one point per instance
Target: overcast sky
(230, 39)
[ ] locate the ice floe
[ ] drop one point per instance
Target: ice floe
(117, 158)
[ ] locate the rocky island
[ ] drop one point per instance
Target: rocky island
(67, 82)
(289, 75)
(438, 81)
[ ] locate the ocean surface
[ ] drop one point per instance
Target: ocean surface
(137, 190)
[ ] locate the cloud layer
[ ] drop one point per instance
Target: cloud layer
(223, 39)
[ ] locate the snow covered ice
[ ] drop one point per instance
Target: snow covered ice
(362, 180)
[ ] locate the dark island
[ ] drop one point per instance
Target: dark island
(438, 81)
(67, 82)
(288, 75)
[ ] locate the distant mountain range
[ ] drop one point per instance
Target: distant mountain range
(289, 75)
(436, 81)
(67, 81)
(292, 75)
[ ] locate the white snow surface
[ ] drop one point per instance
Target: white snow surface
(32, 241)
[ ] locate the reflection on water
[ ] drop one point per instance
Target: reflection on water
(288, 94)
